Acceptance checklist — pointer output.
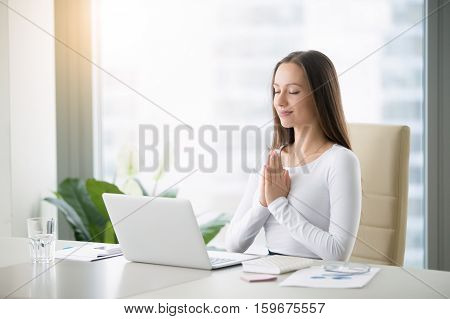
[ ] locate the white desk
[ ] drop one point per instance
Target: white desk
(117, 278)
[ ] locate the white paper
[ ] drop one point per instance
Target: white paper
(317, 277)
(90, 252)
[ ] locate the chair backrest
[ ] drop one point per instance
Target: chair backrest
(383, 152)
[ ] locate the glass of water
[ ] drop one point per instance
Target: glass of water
(41, 233)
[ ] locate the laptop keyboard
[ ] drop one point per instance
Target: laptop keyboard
(217, 261)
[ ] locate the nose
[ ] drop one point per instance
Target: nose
(280, 99)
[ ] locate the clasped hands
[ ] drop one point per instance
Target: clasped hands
(275, 182)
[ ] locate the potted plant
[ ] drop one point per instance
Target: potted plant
(81, 203)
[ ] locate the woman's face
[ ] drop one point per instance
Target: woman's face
(293, 99)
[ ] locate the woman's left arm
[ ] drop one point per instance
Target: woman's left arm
(344, 182)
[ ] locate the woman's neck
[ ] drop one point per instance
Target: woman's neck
(308, 138)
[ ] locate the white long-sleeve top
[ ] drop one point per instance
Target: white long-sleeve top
(319, 218)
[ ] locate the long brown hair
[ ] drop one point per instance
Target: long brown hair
(324, 85)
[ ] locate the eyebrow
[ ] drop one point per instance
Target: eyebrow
(290, 84)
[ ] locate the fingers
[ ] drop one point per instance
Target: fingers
(282, 180)
(268, 158)
(277, 179)
(278, 160)
(274, 173)
(266, 178)
(274, 162)
(264, 174)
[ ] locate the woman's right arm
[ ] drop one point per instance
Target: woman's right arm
(248, 219)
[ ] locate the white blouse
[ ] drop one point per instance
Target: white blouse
(318, 219)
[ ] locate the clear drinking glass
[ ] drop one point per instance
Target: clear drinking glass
(41, 233)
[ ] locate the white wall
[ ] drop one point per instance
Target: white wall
(5, 159)
(31, 146)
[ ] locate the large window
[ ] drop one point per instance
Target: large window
(210, 62)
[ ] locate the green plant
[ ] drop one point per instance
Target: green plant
(81, 203)
(212, 228)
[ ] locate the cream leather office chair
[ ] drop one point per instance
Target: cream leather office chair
(383, 152)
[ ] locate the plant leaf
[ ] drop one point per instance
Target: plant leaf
(131, 187)
(96, 189)
(109, 234)
(212, 228)
(127, 164)
(80, 231)
(144, 191)
(159, 173)
(74, 193)
(162, 166)
(171, 193)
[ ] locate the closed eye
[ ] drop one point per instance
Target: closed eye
(278, 92)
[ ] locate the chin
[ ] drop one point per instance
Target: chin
(286, 124)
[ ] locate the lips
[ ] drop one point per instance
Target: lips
(285, 113)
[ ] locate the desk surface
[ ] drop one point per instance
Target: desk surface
(118, 278)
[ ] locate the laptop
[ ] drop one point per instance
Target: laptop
(164, 231)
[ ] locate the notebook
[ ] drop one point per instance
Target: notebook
(276, 264)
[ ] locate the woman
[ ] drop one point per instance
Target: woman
(309, 195)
